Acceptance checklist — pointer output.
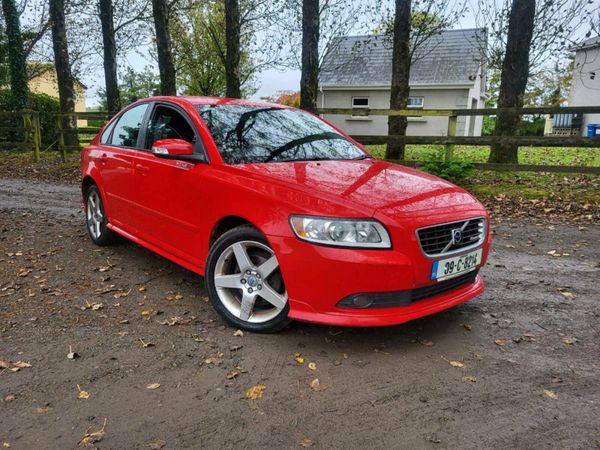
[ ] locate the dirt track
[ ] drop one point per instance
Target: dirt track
(531, 354)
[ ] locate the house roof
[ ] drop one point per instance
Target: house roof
(588, 43)
(450, 58)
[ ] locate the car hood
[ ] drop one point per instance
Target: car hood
(374, 185)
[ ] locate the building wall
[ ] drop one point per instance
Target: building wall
(47, 84)
(585, 89)
(445, 98)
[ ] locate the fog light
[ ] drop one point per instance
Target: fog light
(362, 301)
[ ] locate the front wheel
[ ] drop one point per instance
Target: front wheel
(95, 217)
(244, 281)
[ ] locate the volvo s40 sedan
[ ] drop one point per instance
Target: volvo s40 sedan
(284, 215)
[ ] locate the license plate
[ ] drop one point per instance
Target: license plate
(452, 267)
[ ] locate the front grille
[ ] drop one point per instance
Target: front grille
(451, 237)
(405, 298)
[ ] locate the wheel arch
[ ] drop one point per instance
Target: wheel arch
(226, 223)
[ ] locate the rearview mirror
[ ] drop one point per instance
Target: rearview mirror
(172, 147)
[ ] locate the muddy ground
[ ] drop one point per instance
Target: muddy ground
(528, 351)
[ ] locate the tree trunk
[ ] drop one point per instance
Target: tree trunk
(309, 81)
(400, 89)
(232, 58)
(113, 99)
(515, 71)
(16, 56)
(166, 66)
(64, 77)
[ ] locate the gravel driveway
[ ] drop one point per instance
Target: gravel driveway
(153, 366)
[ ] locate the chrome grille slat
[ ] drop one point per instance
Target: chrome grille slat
(438, 240)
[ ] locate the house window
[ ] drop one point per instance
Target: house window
(415, 102)
(360, 102)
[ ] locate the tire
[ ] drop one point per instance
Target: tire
(244, 282)
(95, 218)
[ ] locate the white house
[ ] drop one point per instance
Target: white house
(448, 73)
(585, 88)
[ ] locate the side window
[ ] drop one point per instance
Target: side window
(106, 135)
(167, 123)
(128, 127)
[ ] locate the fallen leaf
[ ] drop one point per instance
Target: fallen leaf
(456, 364)
(22, 364)
(6, 444)
(299, 359)
(467, 327)
(238, 333)
(157, 444)
(141, 289)
(425, 342)
(304, 443)
(316, 385)
(147, 312)
(72, 354)
(566, 294)
(95, 436)
(569, 340)
(42, 410)
(255, 391)
(4, 364)
(153, 386)
(500, 342)
(197, 338)
(83, 395)
(550, 394)
(469, 379)
(10, 398)
(146, 344)
(232, 374)
(24, 272)
(312, 366)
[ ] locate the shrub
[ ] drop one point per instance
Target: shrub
(46, 105)
(453, 170)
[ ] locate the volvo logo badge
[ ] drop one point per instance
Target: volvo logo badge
(252, 281)
(457, 236)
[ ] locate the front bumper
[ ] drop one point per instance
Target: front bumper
(318, 277)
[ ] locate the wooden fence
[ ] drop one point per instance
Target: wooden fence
(451, 139)
(31, 131)
(26, 136)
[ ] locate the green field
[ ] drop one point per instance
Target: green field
(527, 155)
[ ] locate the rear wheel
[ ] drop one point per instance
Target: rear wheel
(244, 281)
(95, 216)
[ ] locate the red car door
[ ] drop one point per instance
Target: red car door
(115, 162)
(170, 192)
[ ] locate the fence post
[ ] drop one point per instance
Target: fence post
(61, 138)
(449, 153)
(37, 134)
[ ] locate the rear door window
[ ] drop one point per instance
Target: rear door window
(127, 129)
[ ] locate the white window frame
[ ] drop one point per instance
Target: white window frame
(416, 106)
(361, 97)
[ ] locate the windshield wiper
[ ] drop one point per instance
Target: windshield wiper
(313, 158)
(328, 135)
(365, 156)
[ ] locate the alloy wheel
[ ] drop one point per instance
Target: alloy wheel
(249, 283)
(94, 214)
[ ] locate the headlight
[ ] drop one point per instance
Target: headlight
(341, 232)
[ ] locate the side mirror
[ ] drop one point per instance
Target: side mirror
(172, 147)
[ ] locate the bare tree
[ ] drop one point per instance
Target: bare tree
(166, 64)
(16, 56)
(64, 77)
(400, 77)
(515, 71)
(233, 53)
(309, 82)
(113, 100)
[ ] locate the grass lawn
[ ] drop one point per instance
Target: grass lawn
(527, 155)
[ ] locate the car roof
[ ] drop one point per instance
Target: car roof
(213, 101)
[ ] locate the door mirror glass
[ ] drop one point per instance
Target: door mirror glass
(172, 147)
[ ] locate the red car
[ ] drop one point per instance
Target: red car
(284, 215)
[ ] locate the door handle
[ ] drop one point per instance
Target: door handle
(103, 158)
(141, 168)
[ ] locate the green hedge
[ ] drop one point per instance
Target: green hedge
(46, 105)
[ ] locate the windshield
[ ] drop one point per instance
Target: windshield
(257, 134)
